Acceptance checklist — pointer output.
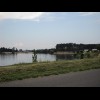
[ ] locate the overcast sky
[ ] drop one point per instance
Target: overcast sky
(41, 30)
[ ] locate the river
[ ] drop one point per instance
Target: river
(10, 59)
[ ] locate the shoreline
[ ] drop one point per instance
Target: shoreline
(33, 70)
(63, 53)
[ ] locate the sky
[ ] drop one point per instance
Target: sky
(43, 30)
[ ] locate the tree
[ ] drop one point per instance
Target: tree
(13, 50)
(34, 57)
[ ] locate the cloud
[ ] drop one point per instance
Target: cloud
(21, 15)
(87, 13)
(53, 16)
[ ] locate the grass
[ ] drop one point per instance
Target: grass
(33, 70)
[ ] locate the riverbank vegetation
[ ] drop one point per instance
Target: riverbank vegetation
(76, 47)
(69, 48)
(59, 48)
(8, 50)
(40, 69)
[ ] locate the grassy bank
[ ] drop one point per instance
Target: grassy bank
(22, 71)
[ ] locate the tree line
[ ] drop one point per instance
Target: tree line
(13, 50)
(59, 47)
(70, 47)
(46, 51)
(76, 47)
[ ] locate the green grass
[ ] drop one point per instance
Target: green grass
(33, 70)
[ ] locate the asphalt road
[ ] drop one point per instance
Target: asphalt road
(76, 79)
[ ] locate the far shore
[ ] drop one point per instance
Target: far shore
(63, 53)
(55, 53)
(14, 52)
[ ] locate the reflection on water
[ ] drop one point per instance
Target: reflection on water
(64, 57)
(9, 59)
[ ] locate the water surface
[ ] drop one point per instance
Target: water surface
(10, 59)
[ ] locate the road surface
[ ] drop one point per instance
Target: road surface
(89, 78)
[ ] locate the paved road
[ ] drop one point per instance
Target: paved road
(76, 79)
